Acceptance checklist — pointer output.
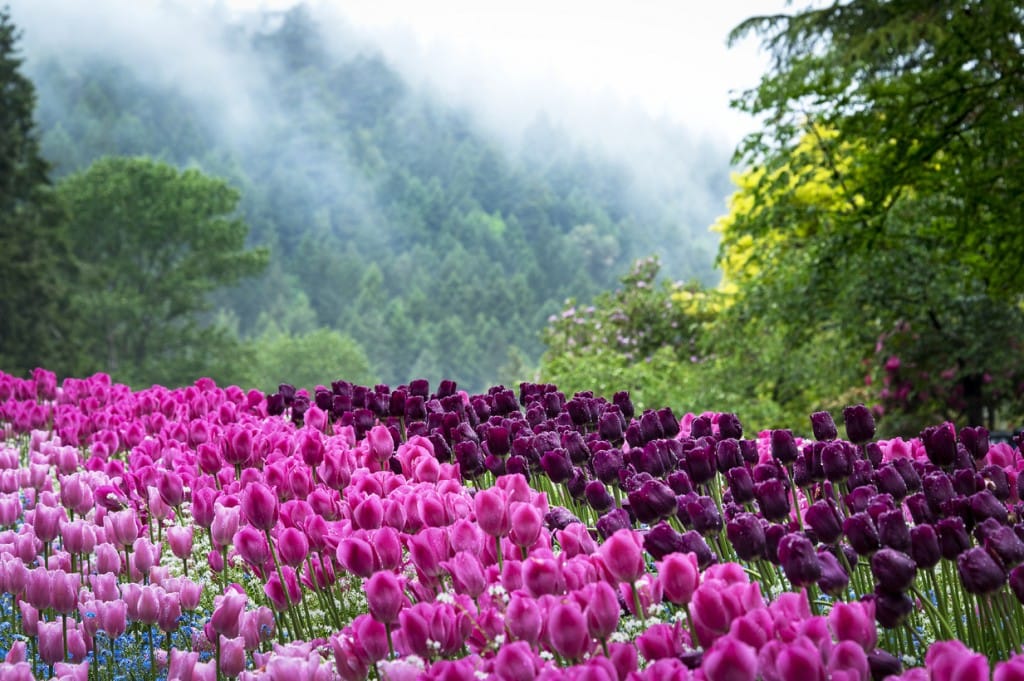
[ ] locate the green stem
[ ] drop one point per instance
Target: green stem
(939, 620)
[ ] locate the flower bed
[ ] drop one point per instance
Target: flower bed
(206, 533)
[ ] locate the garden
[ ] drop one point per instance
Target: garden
(424, 533)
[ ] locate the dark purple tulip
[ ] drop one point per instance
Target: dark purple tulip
(836, 461)
(740, 484)
(649, 459)
(892, 608)
(769, 471)
(823, 518)
(940, 444)
(1004, 544)
(729, 426)
(746, 534)
(578, 411)
(799, 560)
(692, 542)
(883, 664)
(823, 427)
(889, 481)
(919, 509)
(728, 455)
(572, 442)
(622, 401)
(910, 474)
(556, 465)
(874, 453)
(894, 570)
(704, 515)
(772, 499)
(834, 579)
(773, 534)
(613, 521)
(784, 449)
(609, 426)
(415, 407)
(275, 404)
(802, 472)
(953, 537)
(607, 464)
(862, 473)
(860, 531)
(979, 572)
(669, 422)
(985, 505)
(653, 501)
(498, 442)
(650, 426)
(975, 439)
(749, 451)
(469, 458)
(965, 482)
(661, 540)
(996, 480)
(938, 489)
(577, 484)
(924, 546)
(860, 424)
(1017, 582)
(559, 518)
(598, 497)
(700, 464)
(680, 482)
(893, 530)
(859, 499)
(701, 427)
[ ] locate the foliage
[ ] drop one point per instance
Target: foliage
(305, 359)
(34, 259)
(880, 195)
(154, 243)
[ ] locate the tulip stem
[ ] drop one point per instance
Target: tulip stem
(939, 621)
(636, 602)
(391, 645)
(297, 630)
(497, 543)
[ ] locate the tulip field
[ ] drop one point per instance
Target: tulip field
(208, 533)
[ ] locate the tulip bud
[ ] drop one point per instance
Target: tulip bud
(799, 560)
(860, 424)
(773, 500)
(567, 628)
(860, 531)
(623, 556)
(260, 506)
(824, 520)
(894, 570)
(384, 596)
(746, 534)
(598, 497)
(823, 426)
(940, 444)
(784, 449)
(979, 573)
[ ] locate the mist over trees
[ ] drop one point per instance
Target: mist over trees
(396, 225)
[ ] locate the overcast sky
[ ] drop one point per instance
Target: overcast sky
(669, 56)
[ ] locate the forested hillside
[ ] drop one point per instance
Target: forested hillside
(391, 218)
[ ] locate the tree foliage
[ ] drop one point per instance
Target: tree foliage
(883, 195)
(34, 259)
(154, 244)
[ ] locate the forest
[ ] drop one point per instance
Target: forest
(314, 215)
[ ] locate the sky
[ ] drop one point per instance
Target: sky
(667, 56)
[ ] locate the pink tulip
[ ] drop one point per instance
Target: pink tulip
(145, 554)
(369, 513)
(387, 546)
(65, 588)
(523, 618)
(283, 597)
(356, 556)
(292, 546)
(622, 554)
(180, 539)
(384, 596)
(252, 546)
(542, 576)
(567, 629)
(602, 610)
(679, 576)
(800, 661)
(526, 521)
(953, 661)
(225, 524)
(113, 618)
(1010, 670)
(121, 526)
(171, 489)
(855, 622)
(232, 656)
(516, 662)
(51, 642)
(227, 612)
(372, 636)
(467, 574)
(492, 513)
(181, 664)
(47, 521)
(260, 506)
(730, 660)
(382, 445)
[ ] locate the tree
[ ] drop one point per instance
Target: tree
(904, 119)
(35, 262)
(154, 243)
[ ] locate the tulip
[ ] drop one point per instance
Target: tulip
(623, 556)
(860, 424)
(602, 611)
(492, 512)
(260, 506)
(567, 628)
(860, 531)
(384, 596)
(773, 499)
(979, 573)
(252, 546)
(292, 547)
(893, 530)
(799, 560)
(598, 497)
(526, 522)
(730, 660)
(515, 662)
(467, 574)
(51, 642)
(227, 612)
(823, 518)
(232, 656)
(746, 534)
(823, 426)
(949, 660)
(680, 576)
(523, 618)
(894, 570)
(940, 444)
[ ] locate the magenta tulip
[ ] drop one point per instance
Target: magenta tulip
(180, 539)
(260, 506)
(526, 523)
(232, 656)
(516, 662)
(623, 556)
(292, 547)
(252, 546)
(680, 576)
(602, 611)
(568, 631)
(384, 596)
(492, 513)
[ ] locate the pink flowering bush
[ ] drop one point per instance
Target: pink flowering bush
(212, 533)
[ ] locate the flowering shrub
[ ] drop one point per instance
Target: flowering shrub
(209, 533)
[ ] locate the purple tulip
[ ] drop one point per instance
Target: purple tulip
(746, 534)
(979, 573)
(622, 554)
(860, 424)
(799, 560)
(823, 519)
(940, 444)
(894, 570)
(260, 506)
(773, 499)
(823, 426)
(515, 662)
